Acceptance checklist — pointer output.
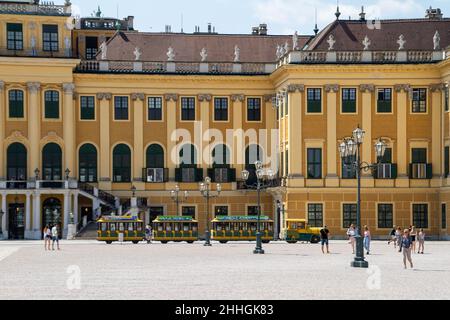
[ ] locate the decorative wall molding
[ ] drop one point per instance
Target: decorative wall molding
(33, 87)
(236, 97)
(269, 97)
(435, 87)
(52, 136)
(331, 88)
(296, 88)
(68, 88)
(138, 95)
(204, 97)
(171, 97)
(402, 87)
(367, 87)
(2, 85)
(104, 95)
(16, 136)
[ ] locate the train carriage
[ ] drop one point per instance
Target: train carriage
(241, 228)
(175, 228)
(109, 228)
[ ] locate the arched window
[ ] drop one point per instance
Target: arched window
(51, 104)
(17, 162)
(51, 213)
(188, 156)
(155, 156)
(88, 163)
(253, 153)
(122, 163)
(221, 156)
(51, 162)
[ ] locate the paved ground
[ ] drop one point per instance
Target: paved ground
(91, 270)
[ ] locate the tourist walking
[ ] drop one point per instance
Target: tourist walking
(392, 236)
(406, 247)
(351, 236)
(148, 234)
(413, 235)
(47, 235)
(367, 239)
(324, 237)
(55, 237)
(421, 239)
(398, 237)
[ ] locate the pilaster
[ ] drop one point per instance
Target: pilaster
(295, 135)
(138, 139)
(366, 112)
(69, 129)
(403, 94)
(171, 109)
(332, 179)
(104, 112)
(34, 126)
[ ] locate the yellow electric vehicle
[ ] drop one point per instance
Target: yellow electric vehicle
(241, 228)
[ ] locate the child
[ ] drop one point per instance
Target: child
(421, 238)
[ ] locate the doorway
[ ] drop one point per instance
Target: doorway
(16, 230)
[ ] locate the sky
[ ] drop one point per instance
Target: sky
(239, 16)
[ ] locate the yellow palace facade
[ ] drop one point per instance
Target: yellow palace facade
(93, 112)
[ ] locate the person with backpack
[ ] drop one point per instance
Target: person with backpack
(324, 237)
(406, 247)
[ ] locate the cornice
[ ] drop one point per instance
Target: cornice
(295, 88)
(436, 87)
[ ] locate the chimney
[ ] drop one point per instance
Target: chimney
(130, 22)
(209, 28)
(362, 15)
(435, 14)
(255, 31)
(263, 29)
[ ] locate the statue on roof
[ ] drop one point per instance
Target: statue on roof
(204, 54)
(286, 47)
(436, 41)
(279, 52)
(366, 43)
(331, 42)
(237, 54)
(295, 41)
(401, 42)
(103, 49)
(137, 54)
(170, 54)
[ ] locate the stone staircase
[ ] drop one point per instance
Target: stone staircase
(88, 233)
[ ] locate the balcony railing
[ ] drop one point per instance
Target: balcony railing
(188, 174)
(155, 175)
(420, 171)
(222, 175)
(89, 66)
(34, 52)
(385, 171)
(46, 8)
(249, 185)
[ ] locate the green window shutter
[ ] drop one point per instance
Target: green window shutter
(87, 108)
(384, 106)
(429, 171)
(348, 106)
(178, 175)
(410, 173)
(16, 109)
(198, 175)
(231, 175)
(394, 171)
(51, 110)
(210, 173)
(166, 175)
(314, 106)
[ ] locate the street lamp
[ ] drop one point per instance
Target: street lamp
(133, 191)
(264, 180)
(36, 173)
(205, 190)
(351, 148)
(177, 198)
(67, 172)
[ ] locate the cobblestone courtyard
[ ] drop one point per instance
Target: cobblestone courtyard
(91, 270)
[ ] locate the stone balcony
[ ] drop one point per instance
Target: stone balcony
(46, 8)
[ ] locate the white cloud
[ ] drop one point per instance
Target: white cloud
(286, 16)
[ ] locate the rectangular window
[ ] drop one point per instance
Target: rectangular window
(385, 169)
(221, 211)
(87, 108)
(16, 104)
(253, 109)
(252, 210)
(384, 102)
(120, 108)
(220, 109)
(349, 100)
(385, 216)
(447, 162)
(444, 216)
(286, 104)
(314, 163)
(50, 37)
(420, 215)
(91, 47)
(419, 101)
(188, 212)
(348, 170)
(315, 215)
(52, 105)
(154, 108)
(188, 109)
(349, 215)
(447, 97)
(314, 104)
(14, 36)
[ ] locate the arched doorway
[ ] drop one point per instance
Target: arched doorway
(51, 213)
(16, 217)
(154, 171)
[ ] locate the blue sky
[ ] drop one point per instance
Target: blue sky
(238, 16)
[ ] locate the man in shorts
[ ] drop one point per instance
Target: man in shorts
(324, 236)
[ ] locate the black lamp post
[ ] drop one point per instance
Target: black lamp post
(67, 172)
(264, 179)
(205, 190)
(350, 149)
(36, 174)
(133, 191)
(177, 198)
